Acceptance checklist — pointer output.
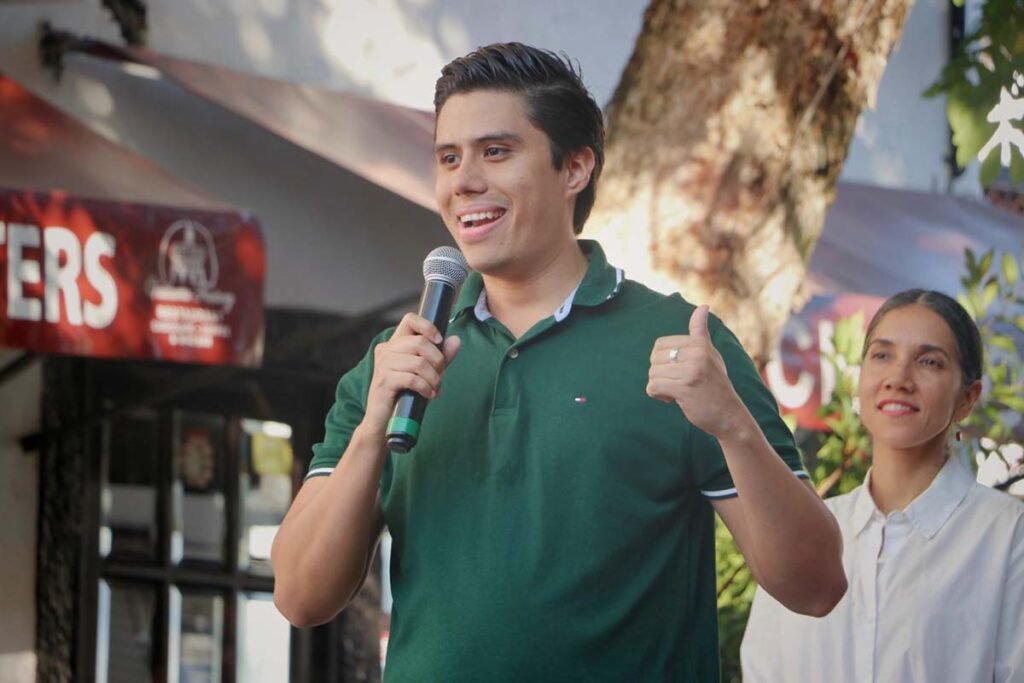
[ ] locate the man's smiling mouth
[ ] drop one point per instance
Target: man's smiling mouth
(480, 218)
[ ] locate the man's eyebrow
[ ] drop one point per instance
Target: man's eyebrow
(499, 136)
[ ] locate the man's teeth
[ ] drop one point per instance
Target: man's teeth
(481, 216)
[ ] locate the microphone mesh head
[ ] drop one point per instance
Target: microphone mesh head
(446, 264)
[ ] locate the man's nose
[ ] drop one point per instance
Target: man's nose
(469, 178)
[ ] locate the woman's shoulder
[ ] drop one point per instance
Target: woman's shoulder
(843, 505)
(999, 504)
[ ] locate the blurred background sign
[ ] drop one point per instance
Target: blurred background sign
(90, 266)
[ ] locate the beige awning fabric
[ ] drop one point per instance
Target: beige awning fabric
(388, 145)
(880, 241)
(42, 148)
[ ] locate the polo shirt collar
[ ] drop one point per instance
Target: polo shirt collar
(600, 283)
(930, 510)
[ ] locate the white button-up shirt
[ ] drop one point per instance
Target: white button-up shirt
(936, 593)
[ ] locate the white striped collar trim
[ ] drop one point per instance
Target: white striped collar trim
(318, 472)
(483, 313)
(563, 311)
(620, 275)
(726, 493)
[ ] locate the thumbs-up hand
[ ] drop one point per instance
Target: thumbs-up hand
(689, 370)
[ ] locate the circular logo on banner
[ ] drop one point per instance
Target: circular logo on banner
(188, 257)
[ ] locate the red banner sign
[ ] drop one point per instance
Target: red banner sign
(116, 280)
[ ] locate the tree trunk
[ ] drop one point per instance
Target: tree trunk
(726, 137)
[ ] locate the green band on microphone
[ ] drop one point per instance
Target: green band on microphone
(404, 425)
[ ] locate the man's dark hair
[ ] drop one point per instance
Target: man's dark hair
(959, 321)
(556, 101)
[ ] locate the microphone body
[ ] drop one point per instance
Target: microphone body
(444, 271)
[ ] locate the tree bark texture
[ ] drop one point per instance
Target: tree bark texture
(726, 137)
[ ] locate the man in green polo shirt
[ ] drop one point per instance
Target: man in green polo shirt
(555, 522)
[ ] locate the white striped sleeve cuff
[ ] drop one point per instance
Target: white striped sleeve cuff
(715, 494)
(318, 472)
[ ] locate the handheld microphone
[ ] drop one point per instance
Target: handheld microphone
(444, 271)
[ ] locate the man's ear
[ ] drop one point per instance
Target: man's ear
(578, 167)
(967, 401)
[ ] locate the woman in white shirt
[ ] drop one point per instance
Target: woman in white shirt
(935, 561)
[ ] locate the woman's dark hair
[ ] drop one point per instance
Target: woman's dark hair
(960, 323)
(556, 101)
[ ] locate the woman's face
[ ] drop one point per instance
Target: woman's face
(911, 382)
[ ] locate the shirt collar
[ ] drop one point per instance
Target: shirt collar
(864, 506)
(600, 283)
(930, 510)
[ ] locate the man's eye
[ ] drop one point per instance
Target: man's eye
(448, 159)
(495, 151)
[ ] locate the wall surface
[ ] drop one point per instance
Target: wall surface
(19, 415)
(903, 142)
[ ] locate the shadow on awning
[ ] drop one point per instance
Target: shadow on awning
(388, 145)
(42, 148)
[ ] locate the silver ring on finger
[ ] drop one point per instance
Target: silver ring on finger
(673, 354)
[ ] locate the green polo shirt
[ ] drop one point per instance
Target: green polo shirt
(553, 522)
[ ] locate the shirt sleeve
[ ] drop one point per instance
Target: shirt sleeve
(346, 413)
(1009, 660)
(712, 474)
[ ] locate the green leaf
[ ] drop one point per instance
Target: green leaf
(1011, 271)
(1017, 168)
(970, 129)
(968, 303)
(1003, 342)
(998, 374)
(990, 169)
(986, 261)
(990, 293)
(1014, 403)
(972, 264)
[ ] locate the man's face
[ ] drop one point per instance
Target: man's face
(508, 208)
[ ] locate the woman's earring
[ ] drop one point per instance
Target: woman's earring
(958, 435)
(855, 404)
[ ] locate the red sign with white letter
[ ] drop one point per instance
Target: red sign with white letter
(117, 280)
(801, 376)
